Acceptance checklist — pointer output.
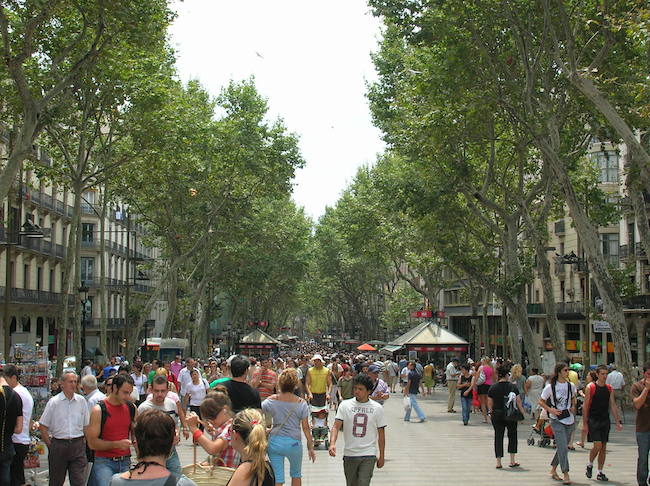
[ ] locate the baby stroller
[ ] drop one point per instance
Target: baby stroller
(545, 434)
(319, 429)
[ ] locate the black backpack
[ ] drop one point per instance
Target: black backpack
(105, 415)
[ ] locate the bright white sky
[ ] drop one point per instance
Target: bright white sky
(310, 58)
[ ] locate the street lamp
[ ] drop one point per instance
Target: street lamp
(83, 295)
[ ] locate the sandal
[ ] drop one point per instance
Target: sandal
(568, 481)
(499, 467)
(514, 464)
(556, 477)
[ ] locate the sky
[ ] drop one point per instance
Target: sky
(310, 59)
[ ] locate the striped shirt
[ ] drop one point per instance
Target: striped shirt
(267, 381)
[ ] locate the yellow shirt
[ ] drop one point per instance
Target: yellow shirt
(428, 370)
(318, 379)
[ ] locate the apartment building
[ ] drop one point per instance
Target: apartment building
(35, 266)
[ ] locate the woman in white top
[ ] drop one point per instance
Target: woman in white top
(195, 392)
(140, 381)
(559, 400)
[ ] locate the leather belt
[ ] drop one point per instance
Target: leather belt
(69, 440)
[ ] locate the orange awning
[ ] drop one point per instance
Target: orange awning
(366, 347)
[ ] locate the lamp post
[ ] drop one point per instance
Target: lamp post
(83, 294)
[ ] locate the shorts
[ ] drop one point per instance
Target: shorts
(483, 389)
(318, 399)
(598, 430)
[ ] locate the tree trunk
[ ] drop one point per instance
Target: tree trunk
(202, 324)
(76, 323)
(103, 294)
(172, 302)
(612, 302)
(553, 325)
(485, 325)
(20, 150)
(516, 303)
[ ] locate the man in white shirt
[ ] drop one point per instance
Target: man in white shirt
(185, 375)
(62, 426)
(452, 373)
(616, 380)
(91, 393)
(160, 402)
(363, 424)
(21, 441)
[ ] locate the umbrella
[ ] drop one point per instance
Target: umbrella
(366, 347)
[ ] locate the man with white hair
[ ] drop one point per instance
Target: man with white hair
(92, 395)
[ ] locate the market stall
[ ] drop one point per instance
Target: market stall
(258, 343)
(430, 341)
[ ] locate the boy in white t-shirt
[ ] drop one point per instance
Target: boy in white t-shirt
(363, 424)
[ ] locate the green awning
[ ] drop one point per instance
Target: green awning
(391, 348)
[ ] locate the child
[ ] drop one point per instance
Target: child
(319, 418)
(345, 385)
(363, 424)
(216, 412)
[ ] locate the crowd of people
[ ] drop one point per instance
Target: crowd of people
(252, 415)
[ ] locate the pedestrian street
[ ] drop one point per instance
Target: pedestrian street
(443, 452)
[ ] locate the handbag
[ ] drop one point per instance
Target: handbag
(481, 378)
(406, 401)
(512, 412)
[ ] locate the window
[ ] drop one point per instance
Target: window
(39, 278)
(607, 163)
(25, 276)
(87, 232)
(609, 245)
(87, 269)
(52, 282)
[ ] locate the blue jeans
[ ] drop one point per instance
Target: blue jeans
(414, 406)
(466, 407)
(643, 442)
(173, 463)
(281, 446)
(104, 468)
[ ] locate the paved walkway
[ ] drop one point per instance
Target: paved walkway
(443, 452)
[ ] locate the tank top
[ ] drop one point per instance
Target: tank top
(599, 408)
(117, 427)
(318, 379)
(489, 374)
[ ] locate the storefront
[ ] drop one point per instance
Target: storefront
(431, 342)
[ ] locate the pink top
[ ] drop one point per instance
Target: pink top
(489, 373)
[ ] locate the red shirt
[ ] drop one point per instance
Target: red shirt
(172, 379)
(117, 427)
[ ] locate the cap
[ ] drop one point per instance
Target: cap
(373, 369)
(317, 356)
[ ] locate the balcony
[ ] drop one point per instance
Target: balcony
(559, 268)
(637, 302)
(624, 252)
(42, 246)
(39, 297)
(570, 309)
(89, 245)
(111, 323)
(536, 309)
(640, 252)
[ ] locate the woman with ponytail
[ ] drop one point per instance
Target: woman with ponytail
(249, 439)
